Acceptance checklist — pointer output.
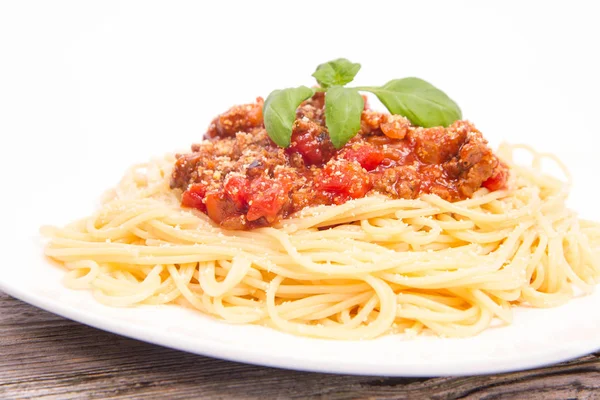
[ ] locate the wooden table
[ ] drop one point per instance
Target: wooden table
(46, 356)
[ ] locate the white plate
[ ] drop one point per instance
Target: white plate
(536, 338)
(62, 193)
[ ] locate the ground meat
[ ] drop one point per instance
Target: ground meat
(313, 109)
(244, 118)
(400, 181)
(474, 163)
(438, 144)
(392, 126)
(242, 180)
(185, 166)
(472, 179)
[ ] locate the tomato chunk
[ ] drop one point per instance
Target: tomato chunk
(237, 188)
(343, 180)
(369, 157)
(266, 198)
(311, 142)
(194, 197)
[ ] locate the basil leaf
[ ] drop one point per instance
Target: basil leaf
(343, 108)
(279, 112)
(419, 101)
(336, 72)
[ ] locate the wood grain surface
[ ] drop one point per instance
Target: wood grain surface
(49, 357)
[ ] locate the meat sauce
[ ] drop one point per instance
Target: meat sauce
(242, 180)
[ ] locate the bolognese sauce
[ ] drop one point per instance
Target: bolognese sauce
(243, 180)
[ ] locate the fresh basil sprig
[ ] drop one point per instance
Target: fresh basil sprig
(336, 72)
(419, 101)
(343, 108)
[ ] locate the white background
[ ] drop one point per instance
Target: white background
(147, 77)
(89, 88)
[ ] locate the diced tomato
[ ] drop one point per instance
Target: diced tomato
(367, 156)
(194, 197)
(498, 179)
(236, 188)
(343, 180)
(312, 144)
(267, 197)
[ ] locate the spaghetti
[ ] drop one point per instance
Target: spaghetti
(358, 270)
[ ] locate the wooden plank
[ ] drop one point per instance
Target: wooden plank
(49, 357)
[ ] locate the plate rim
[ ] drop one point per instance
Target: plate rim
(219, 350)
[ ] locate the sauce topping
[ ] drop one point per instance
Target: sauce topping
(242, 180)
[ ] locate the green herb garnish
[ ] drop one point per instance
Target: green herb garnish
(336, 72)
(343, 107)
(419, 101)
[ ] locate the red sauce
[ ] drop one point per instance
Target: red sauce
(242, 180)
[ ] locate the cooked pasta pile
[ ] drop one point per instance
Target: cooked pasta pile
(359, 270)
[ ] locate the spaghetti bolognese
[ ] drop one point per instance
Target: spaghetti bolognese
(402, 229)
